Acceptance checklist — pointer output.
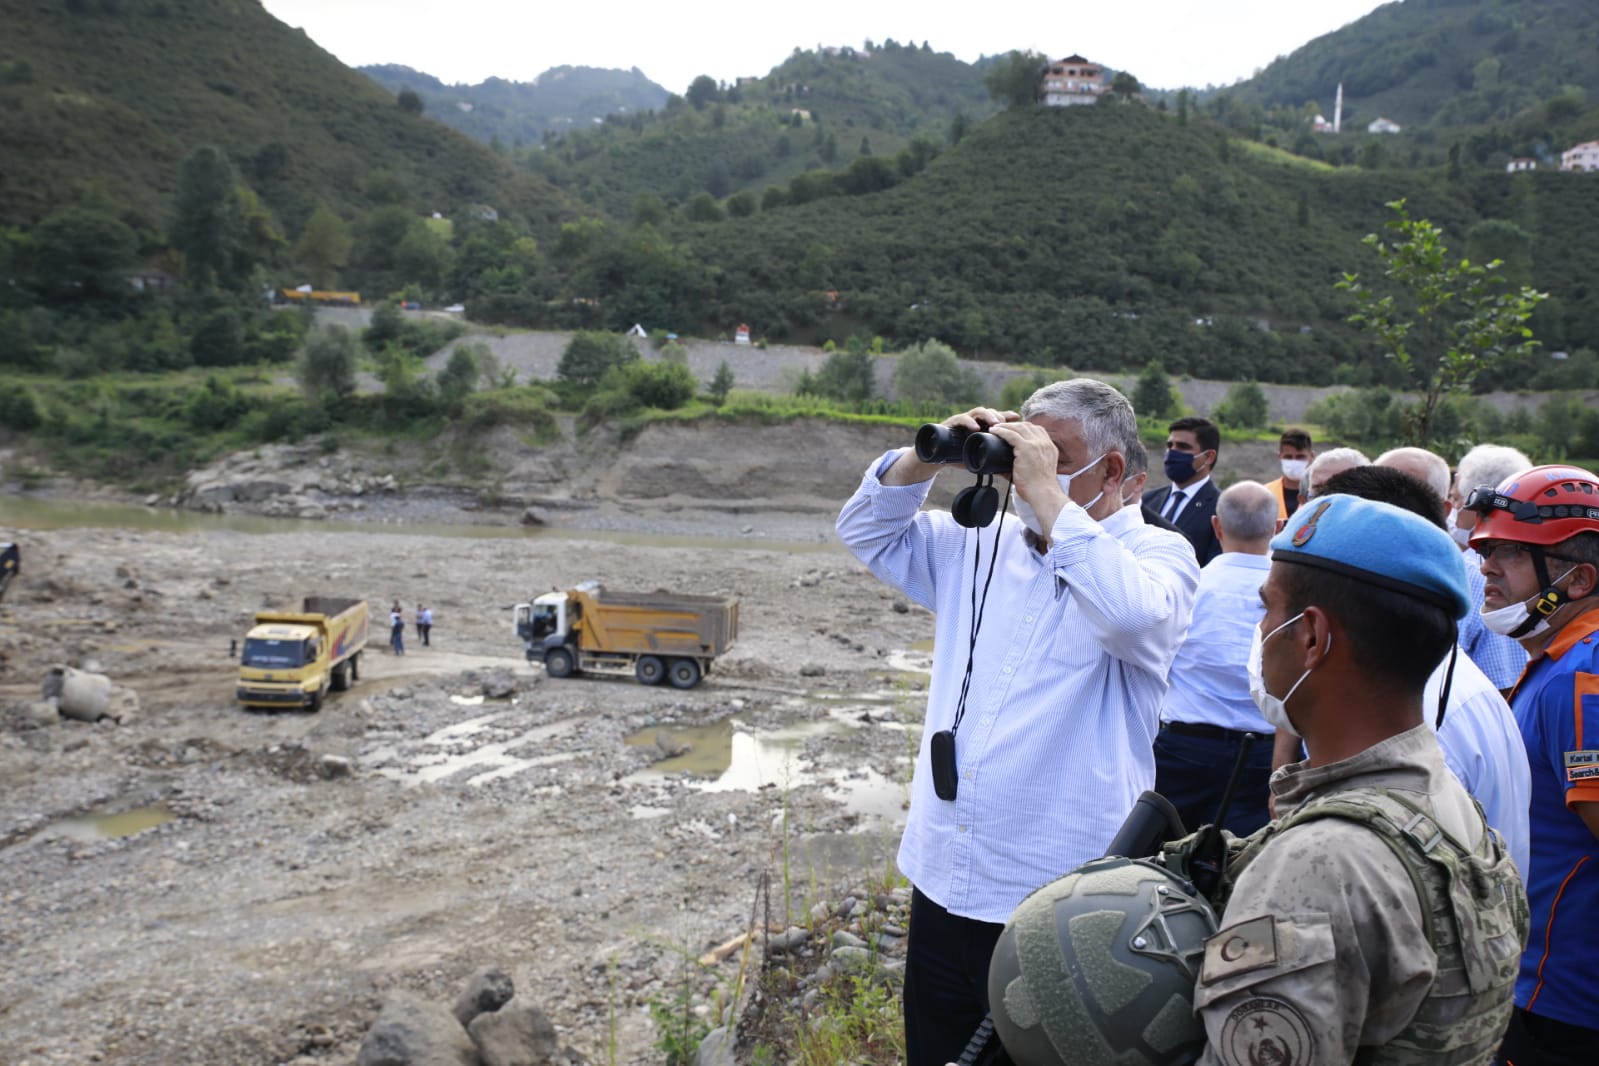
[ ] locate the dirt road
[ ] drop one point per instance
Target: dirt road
(272, 901)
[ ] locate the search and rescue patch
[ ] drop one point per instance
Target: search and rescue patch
(1240, 948)
(1267, 1029)
(1582, 765)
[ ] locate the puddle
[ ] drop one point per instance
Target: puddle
(475, 748)
(467, 701)
(106, 825)
(732, 756)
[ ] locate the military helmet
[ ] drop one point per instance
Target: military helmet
(1099, 967)
(1543, 506)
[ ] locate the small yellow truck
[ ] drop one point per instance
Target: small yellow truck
(655, 636)
(294, 658)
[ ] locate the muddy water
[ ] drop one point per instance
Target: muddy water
(106, 825)
(18, 512)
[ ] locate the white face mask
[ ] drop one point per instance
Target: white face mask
(1460, 536)
(1294, 469)
(1506, 620)
(1273, 709)
(1030, 518)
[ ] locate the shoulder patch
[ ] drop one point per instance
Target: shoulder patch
(1267, 1031)
(1582, 765)
(1240, 948)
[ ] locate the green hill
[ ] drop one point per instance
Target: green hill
(815, 110)
(516, 113)
(1440, 62)
(101, 100)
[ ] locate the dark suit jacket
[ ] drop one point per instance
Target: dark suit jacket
(1194, 521)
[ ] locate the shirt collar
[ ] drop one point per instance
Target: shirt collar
(1190, 491)
(1297, 782)
(1574, 631)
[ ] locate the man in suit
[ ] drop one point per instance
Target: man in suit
(1189, 502)
(1133, 485)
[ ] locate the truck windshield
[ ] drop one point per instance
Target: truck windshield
(543, 620)
(273, 654)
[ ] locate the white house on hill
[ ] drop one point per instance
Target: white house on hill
(1584, 156)
(1069, 81)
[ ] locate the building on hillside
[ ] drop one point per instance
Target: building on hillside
(742, 334)
(1382, 125)
(1584, 156)
(1070, 81)
(1521, 162)
(1319, 124)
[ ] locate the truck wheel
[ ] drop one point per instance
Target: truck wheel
(685, 673)
(341, 678)
(650, 670)
(316, 701)
(558, 662)
(355, 667)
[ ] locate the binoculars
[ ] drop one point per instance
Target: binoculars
(981, 453)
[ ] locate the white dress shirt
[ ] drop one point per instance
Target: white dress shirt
(1482, 745)
(1067, 679)
(1210, 676)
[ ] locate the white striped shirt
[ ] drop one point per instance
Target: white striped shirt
(1067, 682)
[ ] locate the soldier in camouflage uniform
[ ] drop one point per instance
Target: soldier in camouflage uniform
(1379, 919)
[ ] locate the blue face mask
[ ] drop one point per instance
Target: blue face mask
(1179, 466)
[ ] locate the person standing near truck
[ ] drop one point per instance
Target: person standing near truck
(424, 625)
(396, 629)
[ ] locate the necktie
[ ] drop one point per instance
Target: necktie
(1173, 505)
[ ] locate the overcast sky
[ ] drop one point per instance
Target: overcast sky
(1164, 43)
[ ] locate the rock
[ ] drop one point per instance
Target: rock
(850, 958)
(499, 684)
(530, 517)
(669, 746)
(786, 941)
(813, 670)
(35, 714)
(410, 1031)
(901, 607)
(122, 705)
(716, 1049)
(842, 938)
(487, 990)
(334, 766)
(517, 1034)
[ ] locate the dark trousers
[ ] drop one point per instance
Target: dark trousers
(422, 630)
(1534, 1040)
(946, 981)
(1192, 772)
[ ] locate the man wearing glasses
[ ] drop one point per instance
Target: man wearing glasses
(1538, 535)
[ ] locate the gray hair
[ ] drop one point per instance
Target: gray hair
(1137, 457)
(1489, 464)
(1247, 510)
(1435, 465)
(1332, 457)
(1103, 415)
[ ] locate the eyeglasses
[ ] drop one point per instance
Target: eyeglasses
(1510, 552)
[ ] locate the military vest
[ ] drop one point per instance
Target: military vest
(1474, 911)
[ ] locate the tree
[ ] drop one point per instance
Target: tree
(846, 376)
(721, 384)
(929, 373)
(701, 91)
(1153, 396)
(1013, 79)
(589, 355)
(324, 246)
(959, 127)
(1456, 324)
(1125, 85)
(326, 365)
(459, 376)
(204, 216)
(409, 102)
(79, 254)
(1245, 407)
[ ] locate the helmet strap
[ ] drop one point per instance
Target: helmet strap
(1549, 600)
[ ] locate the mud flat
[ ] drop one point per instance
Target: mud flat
(202, 884)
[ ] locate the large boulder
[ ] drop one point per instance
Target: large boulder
(487, 990)
(410, 1031)
(517, 1034)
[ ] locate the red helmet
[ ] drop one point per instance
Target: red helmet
(1544, 506)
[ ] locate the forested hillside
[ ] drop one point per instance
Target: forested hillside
(515, 113)
(1441, 62)
(816, 110)
(103, 100)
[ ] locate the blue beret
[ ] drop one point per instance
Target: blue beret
(1379, 544)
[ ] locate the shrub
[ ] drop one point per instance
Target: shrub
(590, 354)
(19, 409)
(1245, 407)
(929, 373)
(666, 386)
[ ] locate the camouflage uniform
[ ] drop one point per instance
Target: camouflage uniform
(1326, 953)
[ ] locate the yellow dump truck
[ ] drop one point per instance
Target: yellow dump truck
(655, 636)
(10, 565)
(294, 658)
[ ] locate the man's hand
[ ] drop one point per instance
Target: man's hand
(909, 470)
(1035, 470)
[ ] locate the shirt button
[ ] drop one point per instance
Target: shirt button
(962, 828)
(1028, 619)
(1007, 669)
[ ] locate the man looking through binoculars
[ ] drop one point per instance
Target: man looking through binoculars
(1040, 713)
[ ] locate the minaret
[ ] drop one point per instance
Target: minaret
(1338, 109)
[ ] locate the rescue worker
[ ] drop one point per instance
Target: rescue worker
(1538, 535)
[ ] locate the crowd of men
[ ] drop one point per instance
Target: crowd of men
(1404, 657)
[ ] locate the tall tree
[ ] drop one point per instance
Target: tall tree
(1457, 322)
(205, 217)
(1013, 79)
(324, 246)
